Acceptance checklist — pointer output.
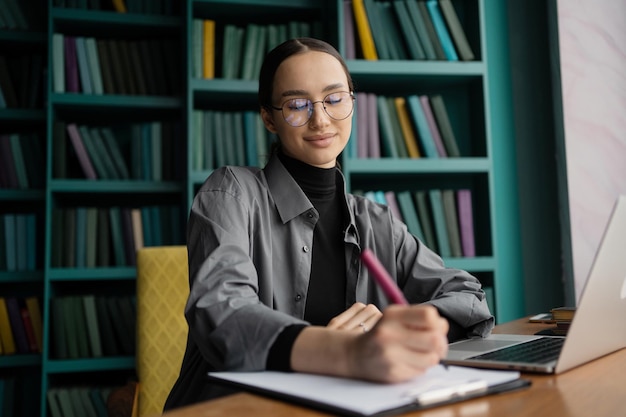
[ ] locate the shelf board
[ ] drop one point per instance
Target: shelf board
(20, 277)
(246, 9)
(90, 364)
(21, 37)
(417, 166)
(22, 115)
(413, 68)
(19, 360)
(110, 186)
(10, 194)
(121, 103)
(91, 274)
(98, 20)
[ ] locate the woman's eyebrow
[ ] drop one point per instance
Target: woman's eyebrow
(291, 93)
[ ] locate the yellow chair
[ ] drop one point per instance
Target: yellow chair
(162, 291)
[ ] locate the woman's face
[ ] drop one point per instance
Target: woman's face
(311, 75)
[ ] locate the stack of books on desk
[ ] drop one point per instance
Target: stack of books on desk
(562, 316)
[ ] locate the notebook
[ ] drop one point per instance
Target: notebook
(597, 328)
(353, 397)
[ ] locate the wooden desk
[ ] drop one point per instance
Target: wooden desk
(596, 389)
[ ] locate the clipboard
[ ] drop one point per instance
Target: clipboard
(357, 398)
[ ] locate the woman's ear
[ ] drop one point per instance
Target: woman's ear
(268, 120)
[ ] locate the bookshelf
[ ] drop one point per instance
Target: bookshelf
(476, 93)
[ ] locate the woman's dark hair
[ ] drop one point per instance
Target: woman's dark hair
(283, 51)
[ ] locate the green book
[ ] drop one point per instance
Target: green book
(388, 142)
(80, 258)
(409, 213)
(105, 157)
(93, 62)
(88, 406)
(452, 222)
(93, 331)
(86, 83)
(238, 138)
(117, 239)
(456, 30)
(71, 326)
(430, 30)
(82, 336)
(69, 235)
(105, 328)
(93, 152)
(393, 36)
(120, 328)
(445, 127)
(65, 403)
(59, 328)
(156, 151)
(53, 403)
(58, 63)
(114, 150)
(397, 134)
(91, 247)
(77, 402)
(439, 220)
(103, 238)
(419, 120)
(250, 49)
(208, 138)
(425, 218)
(18, 160)
(409, 33)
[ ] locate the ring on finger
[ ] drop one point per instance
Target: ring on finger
(364, 327)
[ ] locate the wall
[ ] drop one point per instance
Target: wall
(592, 45)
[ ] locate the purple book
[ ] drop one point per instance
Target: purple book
(17, 325)
(361, 125)
(81, 152)
(432, 125)
(348, 27)
(72, 83)
(373, 132)
(466, 222)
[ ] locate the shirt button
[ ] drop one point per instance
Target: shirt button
(298, 297)
(309, 215)
(305, 249)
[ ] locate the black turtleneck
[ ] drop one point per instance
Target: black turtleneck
(327, 284)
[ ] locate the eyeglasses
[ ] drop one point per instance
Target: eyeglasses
(298, 111)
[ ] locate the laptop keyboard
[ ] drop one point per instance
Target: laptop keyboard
(542, 350)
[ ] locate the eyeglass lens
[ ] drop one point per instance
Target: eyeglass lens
(298, 111)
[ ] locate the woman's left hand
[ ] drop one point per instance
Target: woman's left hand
(359, 317)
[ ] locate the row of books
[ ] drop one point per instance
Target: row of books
(78, 401)
(242, 48)
(90, 237)
(18, 242)
(404, 29)
(229, 138)
(21, 15)
(92, 326)
(21, 81)
(22, 161)
(414, 126)
(156, 7)
(139, 151)
(115, 66)
(20, 325)
(441, 218)
(16, 393)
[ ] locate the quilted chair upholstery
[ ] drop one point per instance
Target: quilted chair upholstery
(162, 291)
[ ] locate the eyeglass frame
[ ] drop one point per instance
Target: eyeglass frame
(312, 107)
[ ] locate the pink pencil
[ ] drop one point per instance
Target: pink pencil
(382, 277)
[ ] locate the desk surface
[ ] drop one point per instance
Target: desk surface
(595, 389)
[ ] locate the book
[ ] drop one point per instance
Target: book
(445, 127)
(58, 63)
(103, 234)
(106, 71)
(18, 161)
(10, 238)
(563, 313)
(366, 40)
(392, 30)
(115, 152)
(84, 72)
(411, 219)
(410, 140)
(439, 222)
(456, 30)
(409, 32)
(388, 142)
(28, 329)
(65, 403)
(6, 333)
(430, 30)
(105, 327)
(442, 30)
(448, 200)
(373, 127)
(432, 126)
(421, 123)
(81, 237)
(32, 304)
(208, 49)
(91, 236)
(17, 325)
(93, 64)
(348, 30)
(466, 221)
(81, 151)
(7, 84)
(353, 397)
(58, 333)
(53, 403)
(91, 320)
(137, 226)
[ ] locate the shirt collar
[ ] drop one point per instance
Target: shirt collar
(289, 198)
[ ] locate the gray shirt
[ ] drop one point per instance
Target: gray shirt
(250, 234)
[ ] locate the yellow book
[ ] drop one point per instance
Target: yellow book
(119, 6)
(6, 334)
(32, 304)
(208, 44)
(407, 130)
(364, 30)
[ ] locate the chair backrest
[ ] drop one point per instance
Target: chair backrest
(162, 291)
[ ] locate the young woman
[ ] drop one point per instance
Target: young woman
(275, 277)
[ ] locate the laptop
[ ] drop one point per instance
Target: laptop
(597, 328)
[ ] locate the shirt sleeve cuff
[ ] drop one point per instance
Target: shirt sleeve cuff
(279, 357)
